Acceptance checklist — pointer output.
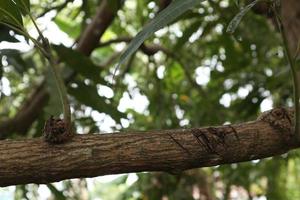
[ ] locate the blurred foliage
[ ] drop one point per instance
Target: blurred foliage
(208, 78)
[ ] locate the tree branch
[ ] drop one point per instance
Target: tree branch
(90, 37)
(26, 115)
(35, 161)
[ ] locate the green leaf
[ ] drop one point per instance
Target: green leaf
(237, 19)
(9, 13)
(23, 6)
(54, 104)
(88, 95)
(80, 63)
(174, 10)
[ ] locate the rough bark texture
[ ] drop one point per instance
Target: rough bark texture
(35, 161)
(290, 14)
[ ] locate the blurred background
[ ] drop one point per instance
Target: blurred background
(188, 74)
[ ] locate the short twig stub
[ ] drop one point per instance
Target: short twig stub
(55, 131)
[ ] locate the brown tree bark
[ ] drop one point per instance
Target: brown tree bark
(290, 14)
(35, 161)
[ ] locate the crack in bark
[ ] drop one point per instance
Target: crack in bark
(179, 144)
(220, 135)
(195, 134)
(279, 119)
(203, 140)
(234, 132)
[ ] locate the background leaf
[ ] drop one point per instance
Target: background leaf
(14, 58)
(237, 19)
(10, 13)
(23, 5)
(80, 63)
(88, 95)
(174, 10)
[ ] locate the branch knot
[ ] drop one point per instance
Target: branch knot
(279, 118)
(56, 131)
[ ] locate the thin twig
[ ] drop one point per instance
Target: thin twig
(57, 8)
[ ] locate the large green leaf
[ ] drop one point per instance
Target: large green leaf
(88, 95)
(10, 13)
(23, 5)
(174, 10)
(54, 106)
(80, 63)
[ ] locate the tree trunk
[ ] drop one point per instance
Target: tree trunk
(290, 14)
(35, 161)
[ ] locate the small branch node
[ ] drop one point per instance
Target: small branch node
(56, 131)
(279, 118)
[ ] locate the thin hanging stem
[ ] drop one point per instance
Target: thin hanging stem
(58, 79)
